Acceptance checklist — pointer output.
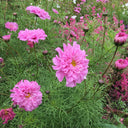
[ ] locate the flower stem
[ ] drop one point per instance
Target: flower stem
(36, 60)
(5, 10)
(110, 62)
(4, 94)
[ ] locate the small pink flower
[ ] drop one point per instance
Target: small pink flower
(77, 9)
(31, 44)
(6, 37)
(27, 95)
(1, 60)
(39, 12)
(121, 63)
(71, 64)
(13, 26)
(32, 35)
(120, 38)
(55, 11)
(121, 120)
(7, 114)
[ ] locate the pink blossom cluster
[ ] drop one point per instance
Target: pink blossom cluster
(13, 26)
(74, 30)
(27, 95)
(71, 64)
(121, 63)
(93, 11)
(7, 114)
(39, 12)
(103, 1)
(99, 29)
(32, 35)
(121, 88)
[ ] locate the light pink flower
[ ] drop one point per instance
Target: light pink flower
(71, 64)
(32, 35)
(121, 120)
(6, 37)
(7, 114)
(121, 63)
(39, 12)
(13, 26)
(55, 11)
(120, 38)
(27, 95)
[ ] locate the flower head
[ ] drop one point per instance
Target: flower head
(1, 60)
(71, 64)
(32, 35)
(13, 26)
(6, 37)
(55, 11)
(39, 12)
(7, 114)
(120, 38)
(121, 63)
(27, 95)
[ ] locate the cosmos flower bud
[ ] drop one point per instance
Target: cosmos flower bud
(45, 52)
(120, 38)
(6, 37)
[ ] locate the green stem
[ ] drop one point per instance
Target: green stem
(5, 10)
(4, 94)
(36, 59)
(110, 62)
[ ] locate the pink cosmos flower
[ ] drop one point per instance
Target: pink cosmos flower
(120, 38)
(71, 64)
(121, 63)
(13, 26)
(55, 11)
(39, 12)
(77, 9)
(27, 95)
(6, 37)
(32, 35)
(7, 114)
(1, 60)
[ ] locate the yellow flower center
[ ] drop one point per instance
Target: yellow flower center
(28, 95)
(73, 63)
(5, 112)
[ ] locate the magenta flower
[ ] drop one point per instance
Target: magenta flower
(13, 26)
(71, 64)
(77, 9)
(27, 95)
(1, 60)
(31, 44)
(120, 38)
(55, 11)
(32, 35)
(39, 12)
(6, 37)
(7, 114)
(121, 63)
